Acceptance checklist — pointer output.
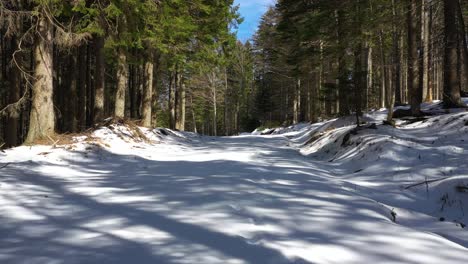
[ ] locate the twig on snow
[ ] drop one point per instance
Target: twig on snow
(425, 182)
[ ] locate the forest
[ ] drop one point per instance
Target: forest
(233, 131)
(67, 65)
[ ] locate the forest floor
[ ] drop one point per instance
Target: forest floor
(321, 193)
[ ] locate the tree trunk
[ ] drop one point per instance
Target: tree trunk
(383, 72)
(414, 74)
(296, 101)
(179, 108)
(122, 79)
(395, 69)
(342, 86)
(358, 82)
(81, 87)
(370, 75)
(72, 102)
(321, 76)
(147, 94)
(215, 114)
(182, 107)
(12, 125)
(464, 50)
(99, 80)
(194, 118)
(172, 101)
(451, 96)
(227, 97)
(42, 117)
(426, 32)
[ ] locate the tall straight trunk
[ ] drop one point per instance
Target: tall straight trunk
(341, 60)
(358, 72)
(72, 104)
(227, 96)
(370, 75)
(99, 80)
(215, 114)
(42, 116)
(296, 101)
(12, 122)
(451, 96)
(133, 90)
(321, 74)
(464, 49)
(179, 107)
(395, 69)
(172, 100)
(425, 36)
(430, 59)
(383, 72)
(89, 87)
(182, 100)
(358, 82)
(414, 74)
(122, 79)
(194, 118)
(147, 100)
(81, 85)
(155, 105)
(404, 73)
(309, 102)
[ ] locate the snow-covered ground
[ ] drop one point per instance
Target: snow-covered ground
(321, 193)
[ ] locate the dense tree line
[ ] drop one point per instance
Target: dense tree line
(67, 65)
(325, 58)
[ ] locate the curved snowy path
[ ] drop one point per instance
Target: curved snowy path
(247, 199)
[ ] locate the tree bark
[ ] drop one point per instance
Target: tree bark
(215, 114)
(11, 136)
(42, 116)
(297, 102)
(182, 107)
(383, 72)
(395, 69)
(464, 50)
(343, 104)
(147, 94)
(451, 96)
(72, 102)
(99, 80)
(194, 118)
(414, 74)
(122, 79)
(426, 18)
(370, 75)
(172, 101)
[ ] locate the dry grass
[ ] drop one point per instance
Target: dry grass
(70, 138)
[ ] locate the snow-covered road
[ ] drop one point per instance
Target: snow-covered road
(246, 199)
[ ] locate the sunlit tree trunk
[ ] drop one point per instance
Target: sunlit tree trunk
(42, 116)
(147, 100)
(414, 74)
(122, 79)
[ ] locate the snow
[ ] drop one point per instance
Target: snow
(309, 193)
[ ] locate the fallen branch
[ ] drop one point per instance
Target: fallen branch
(54, 143)
(425, 182)
(462, 188)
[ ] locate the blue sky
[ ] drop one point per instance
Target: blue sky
(251, 11)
